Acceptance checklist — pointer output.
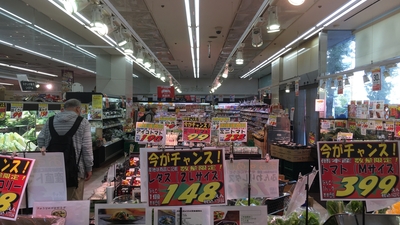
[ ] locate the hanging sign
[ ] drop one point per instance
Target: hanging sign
(264, 178)
(43, 110)
(232, 132)
(296, 88)
(165, 92)
(196, 132)
(152, 133)
(28, 85)
(192, 177)
(16, 110)
(169, 122)
(376, 79)
(74, 212)
(97, 107)
(216, 120)
(3, 110)
(359, 170)
(340, 85)
(14, 176)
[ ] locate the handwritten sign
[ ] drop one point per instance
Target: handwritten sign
(359, 170)
(192, 177)
(264, 178)
(233, 132)
(14, 176)
(196, 132)
(150, 133)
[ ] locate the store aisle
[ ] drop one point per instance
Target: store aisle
(98, 176)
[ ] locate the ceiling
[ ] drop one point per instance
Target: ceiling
(161, 25)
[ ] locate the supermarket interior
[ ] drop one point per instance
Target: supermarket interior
(212, 112)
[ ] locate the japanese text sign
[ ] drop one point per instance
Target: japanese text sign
(233, 132)
(190, 118)
(376, 79)
(14, 174)
(359, 170)
(196, 132)
(169, 122)
(74, 212)
(192, 177)
(16, 110)
(216, 120)
(263, 178)
(150, 133)
(43, 110)
(165, 92)
(3, 110)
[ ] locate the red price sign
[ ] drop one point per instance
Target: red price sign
(150, 133)
(359, 170)
(186, 178)
(196, 132)
(43, 110)
(3, 110)
(13, 177)
(169, 122)
(16, 110)
(233, 132)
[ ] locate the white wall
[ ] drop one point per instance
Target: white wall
(378, 42)
(88, 83)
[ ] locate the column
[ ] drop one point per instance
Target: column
(276, 77)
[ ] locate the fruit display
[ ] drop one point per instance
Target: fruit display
(12, 142)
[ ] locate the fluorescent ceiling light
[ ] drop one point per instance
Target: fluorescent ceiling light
(6, 43)
(300, 37)
(336, 12)
(194, 33)
(15, 16)
(6, 84)
(313, 33)
(28, 70)
(344, 13)
(134, 75)
(33, 52)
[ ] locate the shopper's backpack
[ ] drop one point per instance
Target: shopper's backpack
(65, 144)
(143, 118)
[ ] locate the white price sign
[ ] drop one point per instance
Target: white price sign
(153, 133)
(232, 132)
(169, 122)
(376, 79)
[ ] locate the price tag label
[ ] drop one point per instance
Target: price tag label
(233, 132)
(169, 122)
(186, 178)
(153, 133)
(216, 120)
(376, 79)
(359, 170)
(14, 177)
(196, 132)
(16, 110)
(3, 109)
(43, 110)
(272, 120)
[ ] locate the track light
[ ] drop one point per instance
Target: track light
(273, 22)
(296, 2)
(119, 36)
(333, 85)
(147, 60)
(140, 55)
(128, 48)
(152, 67)
(386, 74)
(158, 72)
(287, 90)
(226, 71)
(346, 81)
(162, 77)
(366, 78)
(98, 25)
(37, 85)
(256, 37)
(239, 57)
(73, 6)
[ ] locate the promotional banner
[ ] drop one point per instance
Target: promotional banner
(14, 175)
(43, 110)
(235, 215)
(376, 78)
(152, 133)
(189, 215)
(192, 177)
(16, 110)
(233, 132)
(3, 109)
(264, 178)
(359, 170)
(165, 92)
(74, 212)
(96, 111)
(47, 181)
(216, 120)
(196, 132)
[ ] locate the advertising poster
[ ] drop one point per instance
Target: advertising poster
(359, 170)
(14, 175)
(96, 112)
(16, 110)
(47, 181)
(190, 215)
(74, 212)
(264, 178)
(376, 78)
(233, 132)
(239, 215)
(216, 120)
(196, 132)
(192, 177)
(43, 110)
(137, 214)
(152, 133)
(3, 110)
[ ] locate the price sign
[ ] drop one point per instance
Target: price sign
(196, 132)
(189, 118)
(272, 120)
(169, 122)
(340, 85)
(96, 111)
(43, 110)
(389, 126)
(376, 79)
(150, 133)
(233, 132)
(3, 109)
(14, 176)
(359, 170)
(216, 120)
(16, 110)
(186, 178)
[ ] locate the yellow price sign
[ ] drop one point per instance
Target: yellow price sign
(365, 186)
(6, 200)
(188, 194)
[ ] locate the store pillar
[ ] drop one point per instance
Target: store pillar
(276, 77)
(114, 75)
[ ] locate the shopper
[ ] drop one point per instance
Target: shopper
(150, 115)
(82, 143)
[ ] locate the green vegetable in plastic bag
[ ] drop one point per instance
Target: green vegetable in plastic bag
(334, 207)
(354, 207)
